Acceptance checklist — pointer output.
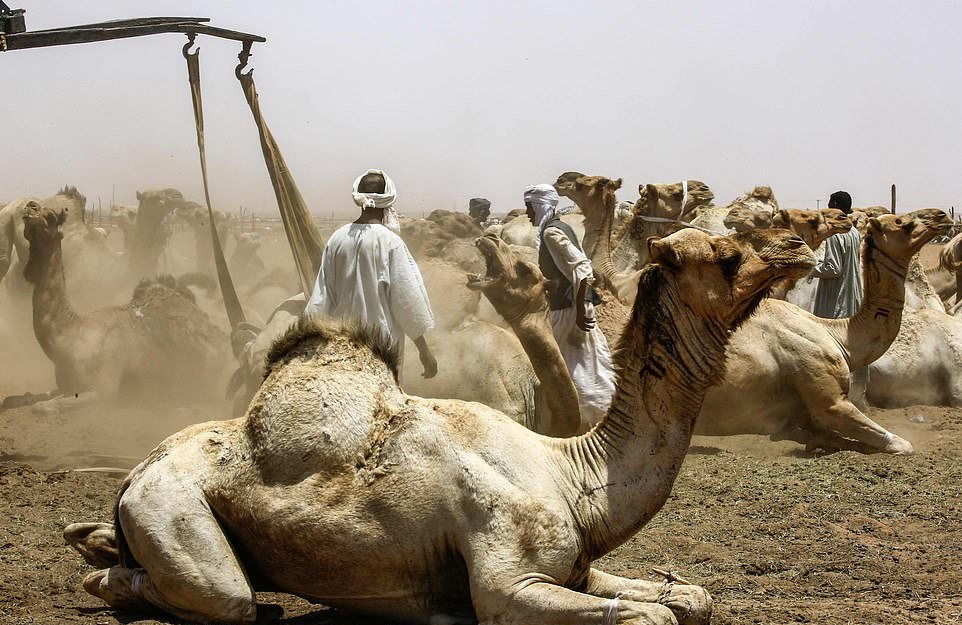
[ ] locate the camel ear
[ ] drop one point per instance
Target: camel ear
(651, 194)
(616, 184)
(875, 224)
(663, 253)
(780, 219)
(139, 196)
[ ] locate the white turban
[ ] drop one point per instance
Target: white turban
(380, 200)
(544, 201)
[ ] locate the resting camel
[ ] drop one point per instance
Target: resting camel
(785, 347)
(788, 372)
(159, 343)
(338, 487)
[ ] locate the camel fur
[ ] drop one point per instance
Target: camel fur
(338, 487)
(158, 344)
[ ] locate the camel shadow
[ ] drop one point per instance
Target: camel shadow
(267, 614)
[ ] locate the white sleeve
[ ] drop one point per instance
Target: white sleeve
(407, 296)
(321, 301)
(569, 259)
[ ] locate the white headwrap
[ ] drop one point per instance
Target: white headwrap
(380, 200)
(544, 200)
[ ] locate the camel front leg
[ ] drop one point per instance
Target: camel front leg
(691, 605)
(845, 420)
(526, 602)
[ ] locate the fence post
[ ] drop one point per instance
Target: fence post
(893, 198)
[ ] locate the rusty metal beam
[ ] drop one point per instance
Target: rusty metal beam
(122, 29)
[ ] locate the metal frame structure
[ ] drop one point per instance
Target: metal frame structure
(15, 36)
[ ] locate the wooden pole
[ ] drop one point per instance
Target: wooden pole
(893, 199)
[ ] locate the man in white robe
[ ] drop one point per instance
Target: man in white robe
(583, 345)
(368, 274)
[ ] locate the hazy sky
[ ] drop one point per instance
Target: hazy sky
(465, 98)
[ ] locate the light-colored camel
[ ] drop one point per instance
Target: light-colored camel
(814, 227)
(759, 200)
(426, 238)
(158, 345)
(788, 347)
(950, 260)
(338, 487)
(788, 371)
(517, 290)
(11, 233)
(923, 364)
(125, 218)
(519, 231)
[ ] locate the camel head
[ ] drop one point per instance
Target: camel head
(124, 216)
(69, 200)
(160, 202)
(586, 190)
(813, 226)
(902, 236)
(743, 218)
(513, 286)
(724, 278)
(41, 227)
(670, 197)
(247, 244)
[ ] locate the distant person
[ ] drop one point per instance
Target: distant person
(571, 304)
(839, 273)
(368, 274)
(480, 209)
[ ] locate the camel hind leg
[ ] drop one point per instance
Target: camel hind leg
(189, 568)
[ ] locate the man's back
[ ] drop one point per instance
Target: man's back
(368, 274)
(840, 277)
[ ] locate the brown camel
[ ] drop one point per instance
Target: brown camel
(338, 487)
(517, 290)
(152, 229)
(788, 371)
(157, 345)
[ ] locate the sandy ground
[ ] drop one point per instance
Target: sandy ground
(776, 535)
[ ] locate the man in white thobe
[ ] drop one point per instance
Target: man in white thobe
(368, 274)
(583, 346)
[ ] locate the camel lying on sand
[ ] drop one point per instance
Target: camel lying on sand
(785, 349)
(159, 343)
(788, 371)
(338, 487)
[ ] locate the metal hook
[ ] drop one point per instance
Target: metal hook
(244, 57)
(190, 42)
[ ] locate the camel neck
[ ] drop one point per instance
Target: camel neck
(534, 332)
(625, 467)
(595, 207)
(868, 334)
(53, 316)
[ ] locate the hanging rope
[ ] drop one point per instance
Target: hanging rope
(305, 242)
(235, 314)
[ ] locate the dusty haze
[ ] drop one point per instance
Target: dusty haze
(482, 98)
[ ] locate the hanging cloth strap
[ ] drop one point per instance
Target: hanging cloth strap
(235, 314)
(305, 242)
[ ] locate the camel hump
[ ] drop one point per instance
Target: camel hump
(310, 329)
(148, 288)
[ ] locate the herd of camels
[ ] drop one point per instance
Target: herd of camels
(464, 498)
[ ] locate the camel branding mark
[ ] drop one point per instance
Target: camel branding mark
(653, 367)
(882, 312)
